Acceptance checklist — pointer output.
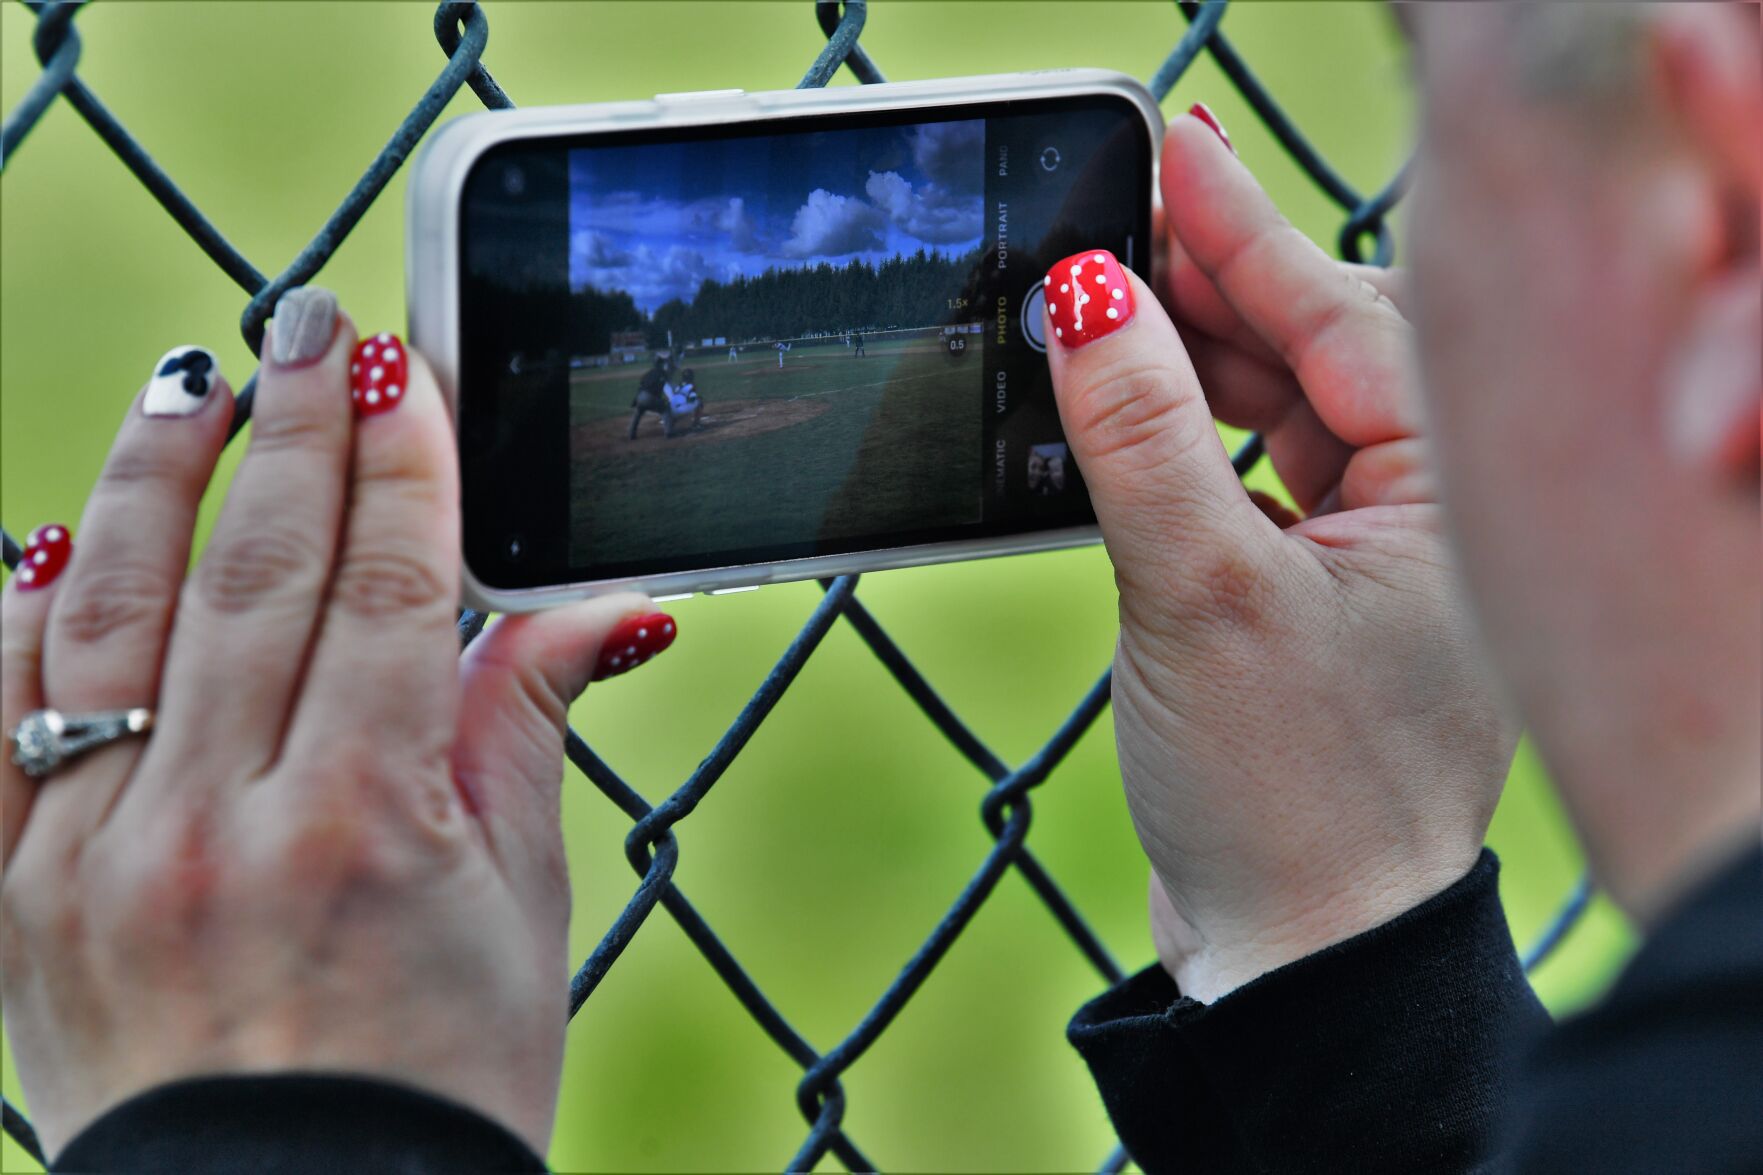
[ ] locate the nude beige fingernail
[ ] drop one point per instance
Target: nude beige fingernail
(304, 324)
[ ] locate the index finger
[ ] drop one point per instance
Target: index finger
(1348, 345)
(1193, 301)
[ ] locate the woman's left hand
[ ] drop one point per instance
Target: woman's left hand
(339, 847)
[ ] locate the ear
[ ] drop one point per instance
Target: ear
(1706, 58)
(1708, 61)
(1713, 382)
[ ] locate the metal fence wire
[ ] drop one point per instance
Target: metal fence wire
(462, 30)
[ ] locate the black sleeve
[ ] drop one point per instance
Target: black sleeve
(1666, 1074)
(285, 1124)
(1383, 1053)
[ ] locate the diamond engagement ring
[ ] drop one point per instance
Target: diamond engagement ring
(48, 738)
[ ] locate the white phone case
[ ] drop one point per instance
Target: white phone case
(431, 266)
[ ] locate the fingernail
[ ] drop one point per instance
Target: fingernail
(1277, 512)
(1087, 297)
(305, 322)
(633, 641)
(1204, 113)
(379, 372)
(180, 382)
(46, 551)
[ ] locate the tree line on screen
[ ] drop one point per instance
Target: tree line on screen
(904, 291)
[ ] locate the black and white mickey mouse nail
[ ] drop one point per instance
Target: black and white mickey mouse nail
(180, 382)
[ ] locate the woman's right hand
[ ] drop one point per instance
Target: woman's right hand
(1309, 740)
(339, 847)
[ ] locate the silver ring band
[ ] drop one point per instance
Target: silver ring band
(48, 738)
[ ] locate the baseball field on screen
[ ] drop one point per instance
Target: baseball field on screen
(823, 444)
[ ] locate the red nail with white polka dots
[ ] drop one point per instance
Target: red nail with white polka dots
(1087, 297)
(379, 374)
(634, 640)
(46, 552)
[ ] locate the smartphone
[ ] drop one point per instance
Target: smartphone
(715, 340)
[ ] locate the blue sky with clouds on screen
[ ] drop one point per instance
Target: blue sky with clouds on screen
(657, 220)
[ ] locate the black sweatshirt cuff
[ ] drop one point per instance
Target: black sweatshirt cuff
(284, 1124)
(1380, 1053)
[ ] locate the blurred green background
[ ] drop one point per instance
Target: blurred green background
(839, 837)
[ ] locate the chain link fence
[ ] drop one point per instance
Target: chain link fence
(653, 849)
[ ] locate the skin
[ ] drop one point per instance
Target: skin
(312, 864)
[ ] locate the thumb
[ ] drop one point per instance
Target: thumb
(1169, 504)
(517, 681)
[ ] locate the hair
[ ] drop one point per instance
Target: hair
(1577, 52)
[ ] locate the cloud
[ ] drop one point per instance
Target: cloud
(626, 213)
(952, 155)
(892, 193)
(679, 264)
(833, 226)
(929, 212)
(731, 217)
(653, 276)
(630, 214)
(596, 250)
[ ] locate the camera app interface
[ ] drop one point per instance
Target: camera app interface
(782, 344)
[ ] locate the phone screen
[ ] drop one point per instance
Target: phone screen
(687, 349)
